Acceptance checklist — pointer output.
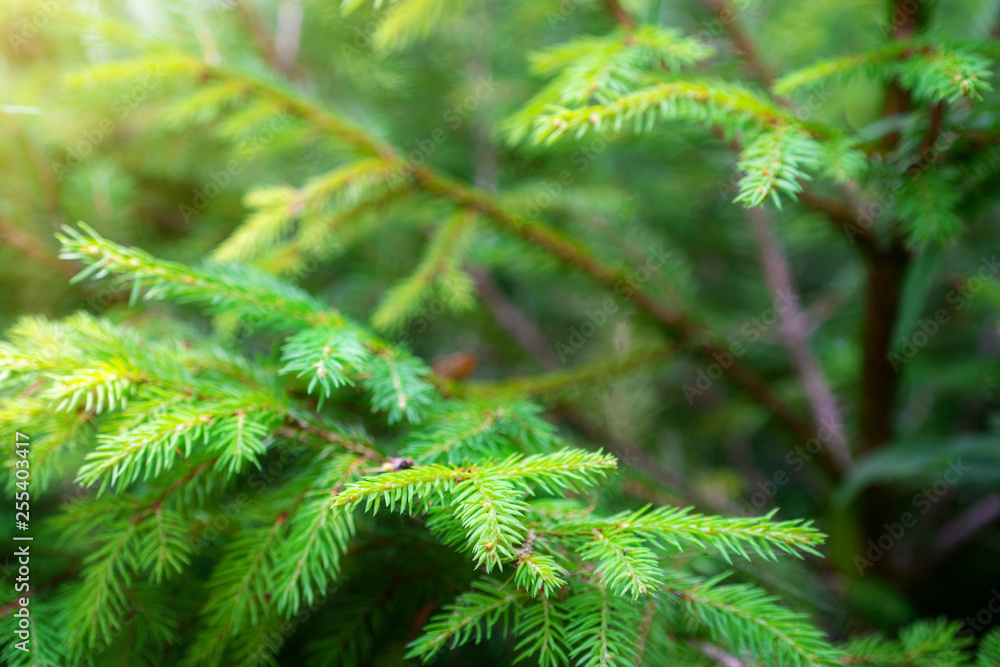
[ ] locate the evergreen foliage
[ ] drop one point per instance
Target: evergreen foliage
(251, 463)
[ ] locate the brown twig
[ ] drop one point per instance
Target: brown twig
(795, 336)
(33, 249)
(959, 532)
(513, 320)
(674, 322)
(283, 60)
(741, 41)
(717, 654)
(620, 14)
(842, 216)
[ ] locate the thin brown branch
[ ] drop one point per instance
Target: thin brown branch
(513, 320)
(726, 15)
(647, 622)
(32, 248)
(620, 14)
(288, 32)
(158, 501)
(282, 61)
(926, 151)
(960, 532)
(675, 323)
(841, 216)
(717, 654)
(795, 336)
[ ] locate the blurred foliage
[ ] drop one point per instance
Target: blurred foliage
(552, 205)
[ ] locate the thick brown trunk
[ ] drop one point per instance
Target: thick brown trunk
(879, 380)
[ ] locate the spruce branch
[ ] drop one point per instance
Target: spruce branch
(604, 629)
(460, 430)
(778, 274)
(559, 382)
(400, 489)
(749, 620)
(223, 288)
(542, 625)
(309, 558)
(602, 68)
(930, 72)
(399, 384)
(473, 617)
(439, 274)
(535, 233)
(682, 528)
(324, 355)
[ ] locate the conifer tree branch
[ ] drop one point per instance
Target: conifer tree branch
(838, 213)
(265, 43)
(509, 317)
(744, 45)
(558, 381)
(795, 335)
(843, 218)
(676, 324)
(619, 13)
(721, 658)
